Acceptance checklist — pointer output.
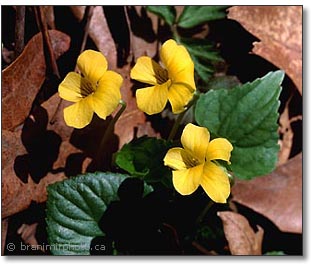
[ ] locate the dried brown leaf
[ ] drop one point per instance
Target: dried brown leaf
(24, 77)
(55, 113)
(241, 237)
(59, 126)
(279, 29)
(278, 196)
(99, 33)
(143, 30)
(17, 195)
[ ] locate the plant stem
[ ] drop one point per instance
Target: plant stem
(181, 116)
(176, 126)
(109, 130)
(204, 212)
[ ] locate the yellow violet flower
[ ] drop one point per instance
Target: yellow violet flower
(175, 82)
(95, 90)
(193, 164)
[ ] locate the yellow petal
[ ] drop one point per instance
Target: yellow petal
(178, 63)
(186, 77)
(152, 100)
(79, 114)
(92, 65)
(215, 183)
(196, 140)
(186, 181)
(219, 148)
(174, 159)
(107, 95)
(70, 88)
(179, 96)
(148, 71)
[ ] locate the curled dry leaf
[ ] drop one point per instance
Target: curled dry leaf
(99, 33)
(241, 237)
(278, 196)
(24, 77)
(279, 29)
(17, 195)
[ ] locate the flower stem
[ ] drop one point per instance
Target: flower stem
(176, 126)
(204, 212)
(181, 116)
(109, 130)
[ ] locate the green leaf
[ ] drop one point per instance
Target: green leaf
(203, 54)
(74, 207)
(168, 13)
(143, 157)
(195, 15)
(247, 116)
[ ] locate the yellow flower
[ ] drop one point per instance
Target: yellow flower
(175, 82)
(193, 164)
(95, 90)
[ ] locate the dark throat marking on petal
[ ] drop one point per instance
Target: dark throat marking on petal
(161, 75)
(86, 88)
(190, 160)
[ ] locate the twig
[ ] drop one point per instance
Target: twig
(50, 58)
(19, 30)
(88, 13)
(51, 63)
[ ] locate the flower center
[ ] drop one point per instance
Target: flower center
(161, 75)
(86, 88)
(190, 160)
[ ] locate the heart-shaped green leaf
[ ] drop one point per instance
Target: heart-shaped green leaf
(74, 207)
(247, 116)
